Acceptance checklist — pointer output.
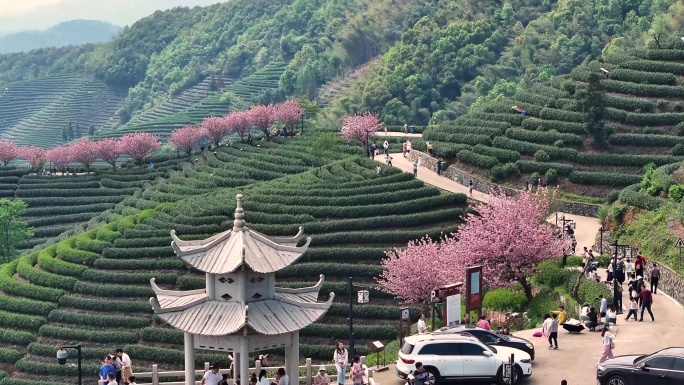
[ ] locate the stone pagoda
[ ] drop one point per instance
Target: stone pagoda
(241, 310)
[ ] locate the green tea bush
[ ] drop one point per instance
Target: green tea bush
(72, 201)
(21, 321)
(329, 269)
(503, 299)
(624, 160)
(371, 311)
(603, 178)
(654, 66)
(9, 355)
(141, 252)
(163, 335)
(482, 161)
(45, 350)
(449, 150)
(27, 365)
(676, 192)
(21, 381)
(26, 269)
(71, 333)
(465, 138)
(645, 140)
(26, 306)
(629, 103)
(100, 320)
(636, 76)
(139, 264)
(340, 332)
(108, 305)
(633, 196)
(637, 89)
(530, 148)
(87, 242)
(502, 155)
(567, 116)
(544, 137)
(89, 192)
(528, 166)
(56, 210)
(551, 177)
(57, 266)
(103, 276)
(378, 236)
(11, 286)
(66, 251)
(386, 197)
(112, 290)
(16, 337)
(660, 54)
(465, 120)
(541, 156)
(497, 173)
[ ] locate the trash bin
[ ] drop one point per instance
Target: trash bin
(413, 129)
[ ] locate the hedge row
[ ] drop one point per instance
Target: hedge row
(54, 369)
(72, 201)
(46, 350)
(637, 89)
(139, 264)
(464, 138)
(99, 320)
(356, 237)
(21, 321)
(330, 269)
(104, 276)
(660, 54)
(340, 332)
(86, 242)
(16, 337)
(57, 185)
(664, 119)
(629, 103)
(51, 264)
(51, 231)
(9, 285)
(460, 128)
(654, 66)
(603, 178)
(502, 155)
(555, 114)
(163, 335)
(140, 252)
(60, 219)
(112, 290)
(57, 210)
(90, 192)
(529, 166)
(173, 356)
(547, 137)
(109, 305)
(26, 269)
(25, 306)
(319, 191)
(509, 118)
(66, 251)
(633, 196)
(21, 381)
(73, 334)
(557, 125)
(645, 140)
(468, 121)
(530, 148)
(371, 311)
(369, 199)
(478, 160)
(408, 206)
(109, 183)
(625, 160)
(635, 76)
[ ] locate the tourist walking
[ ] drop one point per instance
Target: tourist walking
(618, 289)
(213, 376)
(639, 266)
(483, 323)
(340, 357)
(385, 147)
(357, 371)
(551, 326)
(403, 149)
(646, 301)
(422, 328)
(320, 379)
(106, 369)
(655, 277)
(373, 149)
(126, 365)
(284, 378)
(439, 167)
(632, 308)
(470, 187)
(415, 169)
(389, 160)
(608, 345)
(603, 307)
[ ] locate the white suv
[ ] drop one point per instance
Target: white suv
(457, 357)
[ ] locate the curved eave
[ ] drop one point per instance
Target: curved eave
(311, 311)
(283, 240)
(173, 293)
(192, 247)
(303, 290)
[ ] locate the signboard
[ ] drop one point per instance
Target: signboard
(434, 296)
(453, 310)
(680, 243)
(473, 288)
(404, 313)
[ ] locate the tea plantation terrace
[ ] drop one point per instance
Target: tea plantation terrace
(644, 99)
(94, 288)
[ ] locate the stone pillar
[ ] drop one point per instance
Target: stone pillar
(236, 365)
(244, 362)
(211, 286)
(292, 358)
(189, 359)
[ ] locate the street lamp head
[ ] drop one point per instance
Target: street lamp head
(62, 356)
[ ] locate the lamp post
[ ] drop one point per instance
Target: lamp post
(615, 281)
(62, 357)
(601, 230)
(363, 297)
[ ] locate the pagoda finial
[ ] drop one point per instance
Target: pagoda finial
(239, 222)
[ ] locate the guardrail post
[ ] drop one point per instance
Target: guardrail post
(362, 361)
(155, 375)
(206, 367)
(308, 371)
(257, 368)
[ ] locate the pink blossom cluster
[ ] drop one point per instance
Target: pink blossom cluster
(360, 127)
(508, 236)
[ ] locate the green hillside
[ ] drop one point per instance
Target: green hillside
(94, 287)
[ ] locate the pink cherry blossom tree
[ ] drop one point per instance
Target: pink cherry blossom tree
(216, 128)
(262, 117)
(509, 238)
(84, 151)
(410, 274)
(35, 156)
(240, 121)
(138, 145)
(109, 150)
(289, 113)
(59, 156)
(360, 127)
(8, 151)
(186, 138)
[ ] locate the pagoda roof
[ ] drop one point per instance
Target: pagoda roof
(192, 311)
(227, 251)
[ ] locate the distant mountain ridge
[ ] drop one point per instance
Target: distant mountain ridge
(74, 32)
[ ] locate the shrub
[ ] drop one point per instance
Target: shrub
(140, 252)
(645, 140)
(384, 312)
(567, 116)
(163, 335)
(482, 161)
(139, 264)
(557, 125)
(678, 150)
(528, 166)
(551, 177)
(95, 275)
(633, 196)
(449, 150)
(71, 333)
(649, 90)
(9, 355)
(25, 306)
(497, 173)
(21, 321)
(334, 270)
(511, 169)
(101, 304)
(541, 156)
(603, 178)
(26, 269)
(503, 299)
(654, 66)
(531, 148)
(9, 285)
(58, 266)
(502, 155)
(676, 192)
(17, 337)
(624, 160)
(545, 137)
(112, 290)
(100, 320)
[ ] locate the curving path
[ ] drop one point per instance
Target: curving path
(576, 358)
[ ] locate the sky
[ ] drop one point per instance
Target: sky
(19, 15)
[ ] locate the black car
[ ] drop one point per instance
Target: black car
(660, 368)
(491, 338)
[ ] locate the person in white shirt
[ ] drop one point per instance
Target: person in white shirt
(608, 345)
(629, 268)
(341, 358)
(551, 326)
(584, 313)
(212, 377)
(422, 328)
(126, 365)
(284, 379)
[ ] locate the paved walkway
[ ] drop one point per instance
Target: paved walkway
(399, 134)
(576, 358)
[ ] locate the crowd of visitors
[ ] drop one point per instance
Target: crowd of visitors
(117, 369)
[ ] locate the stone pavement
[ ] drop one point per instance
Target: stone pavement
(398, 134)
(576, 358)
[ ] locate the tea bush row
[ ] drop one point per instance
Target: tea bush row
(478, 160)
(106, 305)
(544, 137)
(603, 178)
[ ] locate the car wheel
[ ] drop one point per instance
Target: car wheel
(433, 376)
(616, 380)
(517, 376)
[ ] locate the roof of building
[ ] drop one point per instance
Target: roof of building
(227, 251)
(193, 312)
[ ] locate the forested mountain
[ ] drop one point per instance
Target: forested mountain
(74, 32)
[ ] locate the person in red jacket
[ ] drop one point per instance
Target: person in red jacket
(646, 301)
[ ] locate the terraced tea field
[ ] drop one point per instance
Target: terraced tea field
(644, 99)
(94, 287)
